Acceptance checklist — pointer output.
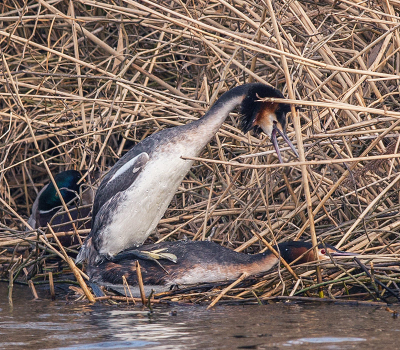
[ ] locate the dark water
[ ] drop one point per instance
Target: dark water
(45, 324)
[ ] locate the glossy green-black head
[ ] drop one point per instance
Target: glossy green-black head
(67, 182)
(269, 117)
(291, 250)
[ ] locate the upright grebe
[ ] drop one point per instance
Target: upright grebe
(48, 203)
(197, 262)
(136, 192)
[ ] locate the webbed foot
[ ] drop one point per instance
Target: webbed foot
(153, 255)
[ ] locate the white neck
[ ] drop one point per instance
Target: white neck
(210, 123)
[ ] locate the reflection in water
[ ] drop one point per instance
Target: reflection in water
(111, 345)
(131, 326)
(60, 325)
(323, 340)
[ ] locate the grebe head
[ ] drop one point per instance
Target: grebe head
(269, 117)
(67, 182)
(292, 250)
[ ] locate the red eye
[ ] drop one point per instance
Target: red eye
(323, 251)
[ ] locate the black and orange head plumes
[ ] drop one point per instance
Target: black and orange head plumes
(269, 117)
(252, 109)
(292, 250)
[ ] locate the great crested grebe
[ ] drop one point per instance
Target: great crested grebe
(197, 262)
(48, 203)
(136, 192)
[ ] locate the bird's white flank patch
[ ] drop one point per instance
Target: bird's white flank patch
(130, 164)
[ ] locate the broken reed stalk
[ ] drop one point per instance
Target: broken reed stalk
(98, 90)
(30, 284)
(74, 269)
(227, 289)
(127, 290)
(17, 241)
(11, 284)
(33, 289)
(294, 164)
(140, 282)
(51, 285)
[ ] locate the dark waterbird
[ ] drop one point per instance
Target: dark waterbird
(48, 203)
(136, 192)
(197, 262)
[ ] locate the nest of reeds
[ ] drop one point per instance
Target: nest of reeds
(84, 81)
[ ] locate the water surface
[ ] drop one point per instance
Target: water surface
(46, 324)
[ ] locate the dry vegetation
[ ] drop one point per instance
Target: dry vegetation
(82, 81)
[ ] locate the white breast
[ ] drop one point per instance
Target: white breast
(204, 275)
(146, 200)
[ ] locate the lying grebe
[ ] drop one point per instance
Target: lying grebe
(136, 192)
(197, 262)
(48, 203)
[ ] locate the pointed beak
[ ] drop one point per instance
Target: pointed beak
(274, 141)
(340, 253)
